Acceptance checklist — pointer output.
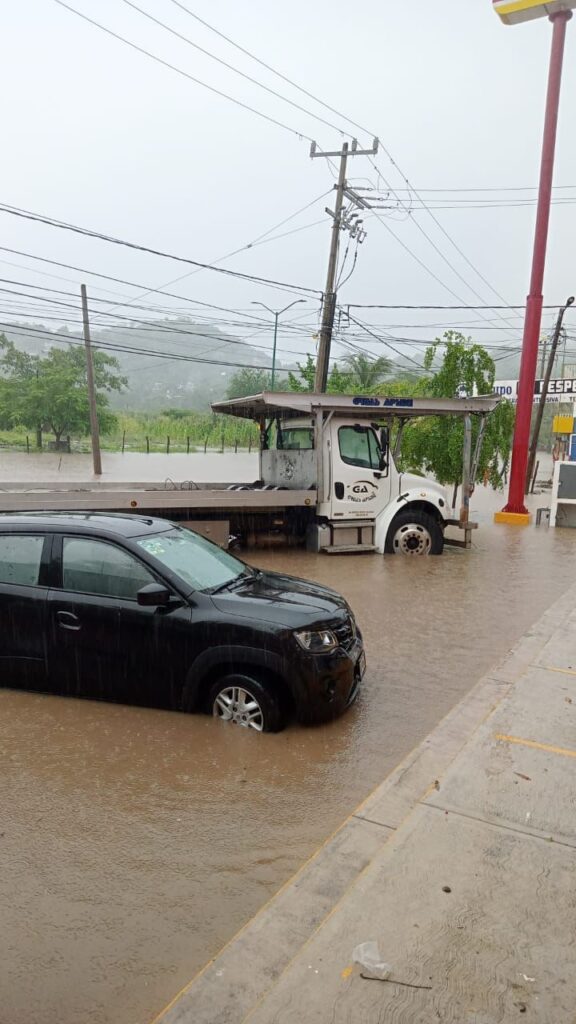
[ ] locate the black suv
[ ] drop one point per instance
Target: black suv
(139, 610)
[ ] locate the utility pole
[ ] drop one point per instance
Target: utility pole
(276, 314)
(94, 426)
(544, 392)
(329, 301)
(543, 359)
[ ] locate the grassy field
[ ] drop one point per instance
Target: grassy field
(177, 431)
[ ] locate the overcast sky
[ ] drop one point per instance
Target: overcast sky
(101, 136)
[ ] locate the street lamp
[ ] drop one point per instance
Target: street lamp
(512, 12)
(276, 315)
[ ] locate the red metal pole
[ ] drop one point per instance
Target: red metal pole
(534, 301)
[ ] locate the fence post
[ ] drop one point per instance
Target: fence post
(206, 443)
(250, 444)
(235, 445)
(168, 444)
(123, 441)
(27, 444)
(147, 445)
(222, 440)
(188, 445)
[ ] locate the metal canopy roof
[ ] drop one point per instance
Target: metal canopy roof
(270, 403)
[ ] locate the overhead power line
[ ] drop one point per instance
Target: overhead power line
(157, 327)
(366, 305)
(184, 74)
(89, 233)
(133, 350)
(259, 321)
(124, 281)
(262, 239)
(363, 129)
(384, 341)
(236, 71)
(488, 188)
(269, 67)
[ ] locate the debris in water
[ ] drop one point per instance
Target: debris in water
(368, 956)
(392, 981)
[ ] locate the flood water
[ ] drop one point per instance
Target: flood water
(135, 842)
(48, 467)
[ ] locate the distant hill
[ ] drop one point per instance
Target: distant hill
(155, 383)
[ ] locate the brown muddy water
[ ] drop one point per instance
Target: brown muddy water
(135, 842)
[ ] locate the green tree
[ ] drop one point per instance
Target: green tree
(248, 381)
(434, 445)
(51, 392)
(339, 381)
(366, 371)
(19, 371)
(357, 372)
(60, 392)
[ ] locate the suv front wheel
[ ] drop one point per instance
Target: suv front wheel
(244, 700)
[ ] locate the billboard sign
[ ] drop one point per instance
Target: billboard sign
(512, 12)
(560, 389)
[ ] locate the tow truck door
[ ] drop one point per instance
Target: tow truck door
(359, 478)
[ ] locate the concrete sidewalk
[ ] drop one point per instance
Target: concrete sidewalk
(462, 866)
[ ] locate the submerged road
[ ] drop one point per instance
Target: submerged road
(135, 842)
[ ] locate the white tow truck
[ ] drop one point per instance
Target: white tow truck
(327, 478)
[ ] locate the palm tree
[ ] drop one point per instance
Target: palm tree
(367, 371)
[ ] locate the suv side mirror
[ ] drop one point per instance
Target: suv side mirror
(153, 595)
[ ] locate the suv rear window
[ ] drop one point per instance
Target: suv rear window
(20, 558)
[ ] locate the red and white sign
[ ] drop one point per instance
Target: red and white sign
(560, 389)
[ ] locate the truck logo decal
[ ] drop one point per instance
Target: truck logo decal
(398, 403)
(361, 491)
(361, 400)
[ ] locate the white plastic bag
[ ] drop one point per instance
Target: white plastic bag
(367, 955)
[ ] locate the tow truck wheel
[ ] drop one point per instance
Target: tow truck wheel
(414, 533)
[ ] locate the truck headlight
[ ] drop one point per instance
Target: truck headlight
(320, 641)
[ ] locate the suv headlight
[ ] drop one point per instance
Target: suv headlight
(320, 641)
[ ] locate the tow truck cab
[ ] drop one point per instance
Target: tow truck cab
(360, 490)
(332, 452)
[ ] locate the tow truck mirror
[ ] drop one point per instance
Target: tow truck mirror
(384, 443)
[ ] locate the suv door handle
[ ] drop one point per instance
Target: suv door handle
(67, 620)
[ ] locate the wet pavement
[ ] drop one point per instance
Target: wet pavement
(136, 842)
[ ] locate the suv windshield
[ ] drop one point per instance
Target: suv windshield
(200, 563)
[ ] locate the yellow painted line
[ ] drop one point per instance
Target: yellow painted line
(552, 668)
(563, 751)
